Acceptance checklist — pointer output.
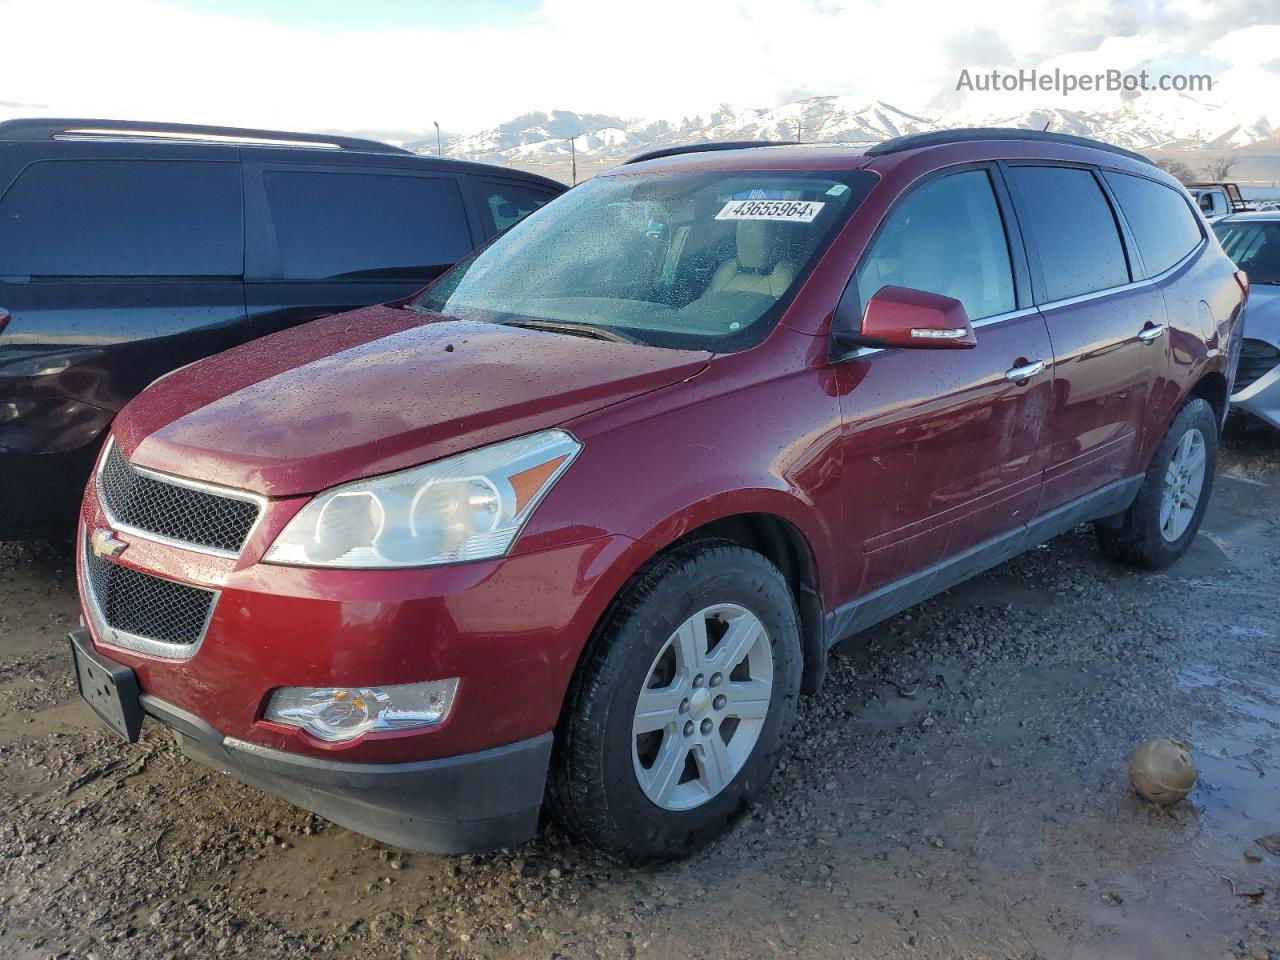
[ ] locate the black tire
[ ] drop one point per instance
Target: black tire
(1134, 537)
(593, 788)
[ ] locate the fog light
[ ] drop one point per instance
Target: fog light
(344, 713)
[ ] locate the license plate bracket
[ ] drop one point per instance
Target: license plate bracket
(111, 689)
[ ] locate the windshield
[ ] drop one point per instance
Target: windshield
(689, 260)
(1255, 247)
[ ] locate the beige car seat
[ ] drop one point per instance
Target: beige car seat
(755, 269)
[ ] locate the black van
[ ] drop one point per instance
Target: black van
(128, 249)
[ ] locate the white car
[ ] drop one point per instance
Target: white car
(1252, 240)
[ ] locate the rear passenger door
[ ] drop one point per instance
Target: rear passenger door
(1168, 236)
(1107, 331)
(322, 238)
(117, 270)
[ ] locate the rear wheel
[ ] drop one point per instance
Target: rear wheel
(1165, 516)
(677, 714)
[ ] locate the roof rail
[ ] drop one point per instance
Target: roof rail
(40, 128)
(969, 134)
(704, 147)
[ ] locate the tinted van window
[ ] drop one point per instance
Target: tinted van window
(356, 225)
(1074, 230)
(946, 237)
(1165, 228)
(96, 218)
(503, 203)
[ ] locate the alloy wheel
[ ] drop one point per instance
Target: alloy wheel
(1183, 483)
(702, 707)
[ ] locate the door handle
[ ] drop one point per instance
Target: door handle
(1025, 372)
(1152, 333)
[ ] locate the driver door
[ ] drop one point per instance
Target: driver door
(943, 448)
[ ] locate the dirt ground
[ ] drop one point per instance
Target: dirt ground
(958, 790)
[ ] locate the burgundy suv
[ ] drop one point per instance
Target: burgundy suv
(578, 523)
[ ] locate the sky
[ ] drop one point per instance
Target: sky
(394, 67)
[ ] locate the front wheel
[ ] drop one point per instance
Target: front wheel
(1165, 516)
(676, 716)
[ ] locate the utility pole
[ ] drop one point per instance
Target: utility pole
(573, 159)
(439, 145)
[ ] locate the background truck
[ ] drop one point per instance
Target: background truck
(1220, 199)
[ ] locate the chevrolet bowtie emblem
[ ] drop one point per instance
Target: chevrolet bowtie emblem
(105, 544)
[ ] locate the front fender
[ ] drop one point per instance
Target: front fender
(754, 434)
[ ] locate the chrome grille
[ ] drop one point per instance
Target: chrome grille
(1257, 357)
(173, 510)
(144, 607)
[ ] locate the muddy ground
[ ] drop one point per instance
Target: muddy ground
(958, 790)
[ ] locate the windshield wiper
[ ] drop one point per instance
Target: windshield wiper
(574, 328)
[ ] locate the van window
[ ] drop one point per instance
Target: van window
(123, 218)
(1163, 225)
(1074, 230)
(947, 237)
(365, 226)
(503, 202)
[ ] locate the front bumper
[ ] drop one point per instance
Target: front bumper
(463, 804)
(510, 629)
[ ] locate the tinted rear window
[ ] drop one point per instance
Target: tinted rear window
(357, 225)
(1073, 228)
(123, 218)
(1163, 225)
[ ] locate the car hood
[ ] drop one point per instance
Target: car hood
(1262, 313)
(376, 390)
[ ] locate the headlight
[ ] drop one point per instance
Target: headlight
(344, 713)
(467, 507)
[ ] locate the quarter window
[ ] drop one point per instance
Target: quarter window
(365, 226)
(123, 218)
(1074, 230)
(505, 202)
(948, 238)
(1165, 228)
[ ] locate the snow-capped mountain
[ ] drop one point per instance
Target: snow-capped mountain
(1152, 121)
(546, 135)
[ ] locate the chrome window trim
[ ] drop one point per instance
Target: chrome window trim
(228, 492)
(1002, 317)
(1066, 302)
(125, 640)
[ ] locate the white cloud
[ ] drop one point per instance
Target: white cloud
(155, 60)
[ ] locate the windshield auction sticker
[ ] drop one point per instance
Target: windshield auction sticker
(792, 211)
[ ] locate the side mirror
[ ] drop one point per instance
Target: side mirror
(903, 317)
